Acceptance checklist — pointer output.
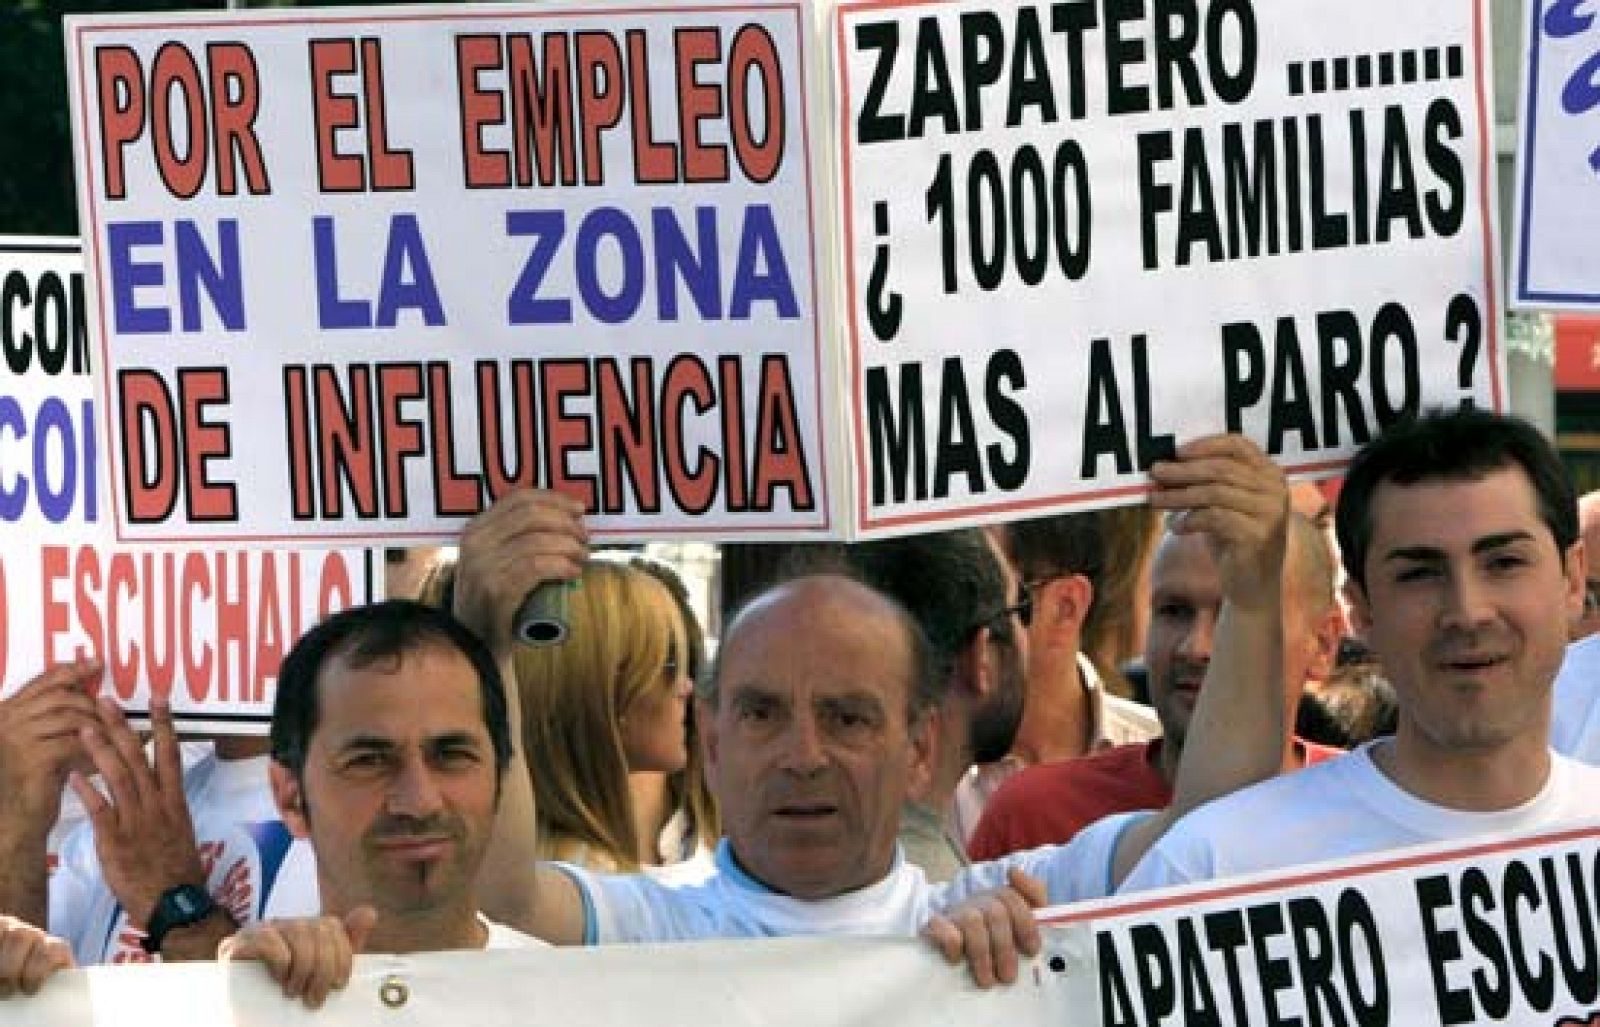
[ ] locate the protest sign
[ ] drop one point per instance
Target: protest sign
(357, 273)
(1078, 234)
(765, 983)
(1556, 261)
(207, 626)
(1499, 931)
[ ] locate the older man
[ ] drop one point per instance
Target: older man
(815, 733)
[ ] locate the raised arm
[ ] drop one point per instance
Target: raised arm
(526, 538)
(1224, 487)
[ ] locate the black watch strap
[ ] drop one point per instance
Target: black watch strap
(179, 906)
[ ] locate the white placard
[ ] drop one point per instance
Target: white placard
(1078, 234)
(359, 272)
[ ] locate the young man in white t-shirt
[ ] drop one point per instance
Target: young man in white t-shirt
(390, 743)
(1459, 533)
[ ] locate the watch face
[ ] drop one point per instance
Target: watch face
(185, 903)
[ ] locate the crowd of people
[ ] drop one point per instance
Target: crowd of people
(930, 736)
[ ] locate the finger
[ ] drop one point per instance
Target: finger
(94, 804)
(974, 924)
(77, 676)
(1024, 927)
(136, 778)
(1219, 492)
(358, 924)
(524, 511)
(54, 725)
(1224, 444)
(1002, 943)
(945, 937)
(54, 702)
(330, 950)
(167, 755)
(46, 957)
(301, 945)
(1031, 889)
(13, 954)
(119, 791)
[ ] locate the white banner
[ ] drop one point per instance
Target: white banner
(1504, 930)
(1079, 234)
(768, 983)
(206, 626)
(1556, 260)
(359, 272)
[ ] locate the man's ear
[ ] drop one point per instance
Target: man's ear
(1355, 598)
(1061, 605)
(291, 799)
(1324, 642)
(924, 732)
(974, 670)
(705, 725)
(1575, 567)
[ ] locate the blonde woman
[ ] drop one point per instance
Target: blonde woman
(604, 716)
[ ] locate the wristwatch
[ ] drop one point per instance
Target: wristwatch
(179, 906)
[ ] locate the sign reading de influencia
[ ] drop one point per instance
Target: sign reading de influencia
(354, 274)
(1078, 233)
(205, 626)
(1558, 158)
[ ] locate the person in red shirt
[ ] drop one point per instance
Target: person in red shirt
(1052, 802)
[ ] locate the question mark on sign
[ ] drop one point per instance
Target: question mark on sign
(882, 313)
(1461, 317)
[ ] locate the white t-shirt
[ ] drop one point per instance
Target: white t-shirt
(1077, 871)
(1341, 808)
(729, 903)
(254, 868)
(1575, 723)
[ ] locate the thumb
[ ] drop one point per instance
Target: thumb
(358, 923)
(1032, 890)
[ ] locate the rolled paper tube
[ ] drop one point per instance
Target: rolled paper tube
(542, 617)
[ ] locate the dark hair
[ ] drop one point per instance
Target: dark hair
(1045, 547)
(1466, 444)
(926, 685)
(951, 583)
(362, 636)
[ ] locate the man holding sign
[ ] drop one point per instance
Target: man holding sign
(814, 738)
(1459, 532)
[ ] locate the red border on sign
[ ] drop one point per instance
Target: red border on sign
(1376, 863)
(365, 532)
(1094, 497)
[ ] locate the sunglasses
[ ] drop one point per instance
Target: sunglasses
(1022, 609)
